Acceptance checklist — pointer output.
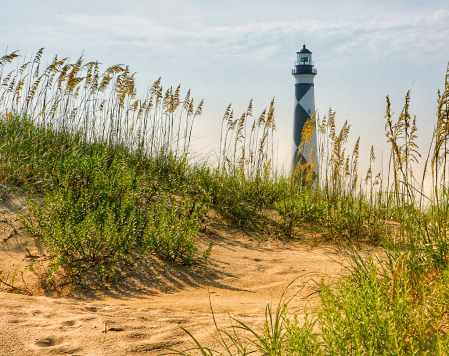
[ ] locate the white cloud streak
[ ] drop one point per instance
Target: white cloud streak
(261, 42)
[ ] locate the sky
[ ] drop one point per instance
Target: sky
(234, 51)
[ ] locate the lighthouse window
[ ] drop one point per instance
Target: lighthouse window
(304, 59)
(308, 111)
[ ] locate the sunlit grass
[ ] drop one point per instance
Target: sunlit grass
(108, 176)
(392, 304)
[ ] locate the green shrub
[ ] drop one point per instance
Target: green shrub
(170, 233)
(299, 208)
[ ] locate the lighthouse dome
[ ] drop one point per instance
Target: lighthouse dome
(304, 50)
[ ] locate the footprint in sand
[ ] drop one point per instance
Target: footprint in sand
(158, 346)
(137, 335)
(70, 324)
(55, 345)
(116, 329)
(50, 341)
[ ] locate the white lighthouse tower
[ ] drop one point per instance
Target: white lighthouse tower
(304, 72)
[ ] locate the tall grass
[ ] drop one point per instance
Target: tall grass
(392, 304)
(243, 183)
(103, 105)
(109, 170)
(101, 202)
(108, 178)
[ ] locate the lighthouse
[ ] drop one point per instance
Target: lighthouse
(304, 72)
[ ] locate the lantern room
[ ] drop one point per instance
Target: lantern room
(304, 57)
(304, 64)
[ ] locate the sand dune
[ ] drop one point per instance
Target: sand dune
(143, 313)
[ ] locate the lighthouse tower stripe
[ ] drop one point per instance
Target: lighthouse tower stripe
(301, 116)
(301, 89)
(304, 99)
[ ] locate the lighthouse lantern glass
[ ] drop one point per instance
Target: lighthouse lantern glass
(304, 58)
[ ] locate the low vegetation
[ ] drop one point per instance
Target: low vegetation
(109, 178)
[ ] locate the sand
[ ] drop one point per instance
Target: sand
(144, 312)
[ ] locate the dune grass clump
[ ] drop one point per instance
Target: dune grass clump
(100, 202)
(395, 303)
(242, 184)
(106, 173)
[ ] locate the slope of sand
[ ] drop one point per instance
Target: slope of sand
(143, 313)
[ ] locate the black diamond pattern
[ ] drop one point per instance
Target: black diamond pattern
(301, 89)
(301, 116)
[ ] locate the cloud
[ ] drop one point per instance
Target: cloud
(261, 42)
(186, 34)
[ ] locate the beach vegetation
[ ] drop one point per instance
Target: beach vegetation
(110, 176)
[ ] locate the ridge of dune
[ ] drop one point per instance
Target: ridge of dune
(143, 313)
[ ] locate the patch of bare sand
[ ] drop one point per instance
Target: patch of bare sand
(143, 313)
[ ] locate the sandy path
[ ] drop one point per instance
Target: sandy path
(142, 314)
